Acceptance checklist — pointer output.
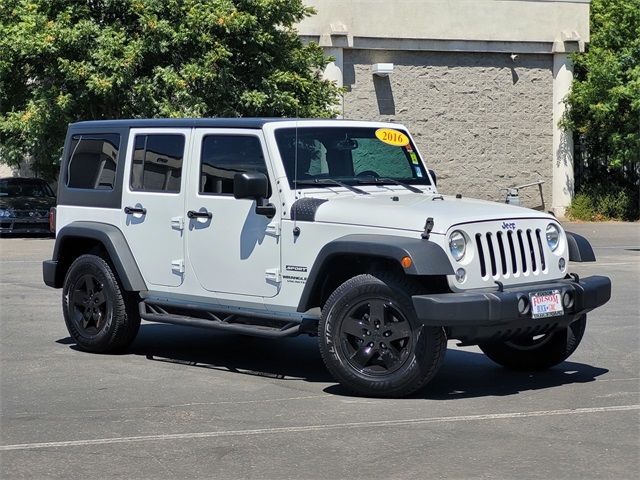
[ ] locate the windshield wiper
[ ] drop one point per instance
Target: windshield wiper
(331, 181)
(380, 180)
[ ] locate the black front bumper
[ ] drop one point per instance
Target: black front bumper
(24, 225)
(491, 315)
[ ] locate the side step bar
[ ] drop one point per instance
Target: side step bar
(266, 326)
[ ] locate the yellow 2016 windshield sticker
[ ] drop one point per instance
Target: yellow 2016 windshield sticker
(392, 137)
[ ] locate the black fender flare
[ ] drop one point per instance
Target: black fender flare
(580, 249)
(114, 242)
(428, 258)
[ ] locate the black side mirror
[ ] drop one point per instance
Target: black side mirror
(254, 185)
(435, 178)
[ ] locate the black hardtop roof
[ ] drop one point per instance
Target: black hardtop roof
(180, 123)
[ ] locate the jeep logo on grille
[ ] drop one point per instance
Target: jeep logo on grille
(508, 226)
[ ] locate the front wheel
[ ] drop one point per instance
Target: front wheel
(537, 352)
(371, 341)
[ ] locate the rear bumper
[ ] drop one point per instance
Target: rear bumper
(493, 315)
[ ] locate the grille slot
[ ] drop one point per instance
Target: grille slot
(492, 255)
(512, 251)
(543, 263)
(483, 265)
(503, 258)
(532, 252)
(522, 254)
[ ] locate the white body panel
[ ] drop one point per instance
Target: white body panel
(65, 214)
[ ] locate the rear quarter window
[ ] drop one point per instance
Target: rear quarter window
(93, 160)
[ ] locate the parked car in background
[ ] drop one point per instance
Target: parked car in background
(24, 205)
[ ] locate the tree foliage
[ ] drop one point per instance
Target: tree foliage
(68, 60)
(604, 103)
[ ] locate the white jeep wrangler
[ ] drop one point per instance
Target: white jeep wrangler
(276, 227)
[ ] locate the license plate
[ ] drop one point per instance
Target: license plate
(546, 304)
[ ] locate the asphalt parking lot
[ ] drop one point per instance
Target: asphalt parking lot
(189, 403)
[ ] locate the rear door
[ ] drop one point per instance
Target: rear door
(153, 202)
(231, 248)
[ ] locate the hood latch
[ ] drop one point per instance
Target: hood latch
(428, 226)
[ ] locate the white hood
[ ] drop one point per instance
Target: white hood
(411, 210)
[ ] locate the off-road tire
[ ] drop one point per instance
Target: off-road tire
(103, 318)
(420, 358)
(529, 354)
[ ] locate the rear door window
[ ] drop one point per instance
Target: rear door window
(157, 163)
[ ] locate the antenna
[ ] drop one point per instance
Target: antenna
(296, 230)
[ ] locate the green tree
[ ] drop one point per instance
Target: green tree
(604, 103)
(68, 60)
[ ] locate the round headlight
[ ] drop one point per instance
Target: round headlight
(457, 245)
(553, 237)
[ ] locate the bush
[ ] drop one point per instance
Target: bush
(612, 202)
(581, 208)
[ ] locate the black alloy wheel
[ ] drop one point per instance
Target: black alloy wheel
(376, 337)
(89, 303)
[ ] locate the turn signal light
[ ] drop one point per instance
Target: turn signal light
(406, 262)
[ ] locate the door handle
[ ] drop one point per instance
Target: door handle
(130, 210)
(194, 214)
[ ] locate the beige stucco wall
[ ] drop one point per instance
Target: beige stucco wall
(478, 20)
(5, 171)
(23, 171)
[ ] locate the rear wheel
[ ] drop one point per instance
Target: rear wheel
(99, 315)
(371, 341)
(537, 352)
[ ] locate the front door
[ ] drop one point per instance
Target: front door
(153, 202)
(230, 248)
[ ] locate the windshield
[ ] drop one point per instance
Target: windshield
(327, 155)
(24, 188)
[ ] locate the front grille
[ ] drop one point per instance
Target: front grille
(30, 213)
(511, 253)
(30, 225)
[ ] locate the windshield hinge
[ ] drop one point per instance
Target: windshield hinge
(428, 226)
(273, 229)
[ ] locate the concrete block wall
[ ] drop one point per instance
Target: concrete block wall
(483, 121)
